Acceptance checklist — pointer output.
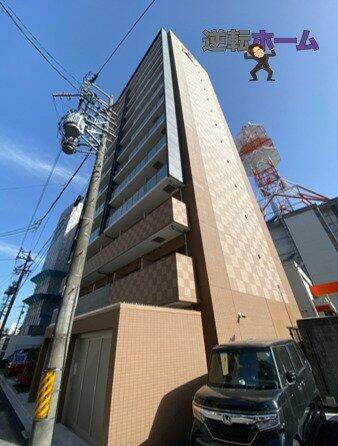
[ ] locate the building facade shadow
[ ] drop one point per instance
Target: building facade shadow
(172, 426)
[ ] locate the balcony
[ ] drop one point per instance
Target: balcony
(94, 235)
(167, 282)
(141, 86)
(144, 68)
(145, 166)
(158, 74)
(154, 89)
(101, 194)
(150, 104)
(140, 132)
(125, 158)
(99, 210)
(138, 195)
(161, 225)
(93, 301)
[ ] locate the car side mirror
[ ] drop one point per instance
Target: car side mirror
(290, 377)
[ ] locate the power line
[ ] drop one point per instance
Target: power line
(64, 188)
(42, 194)
(18, 231)
(26, 187)
(39, 43)
(124, 38)
(21, 29)
(6, 260)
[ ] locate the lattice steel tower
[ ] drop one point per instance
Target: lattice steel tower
(260, 159)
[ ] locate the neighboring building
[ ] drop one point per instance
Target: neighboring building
(47, 293)
(309, 236)
(300, 284)
(177, 231)
(13, 329)
(11, 343)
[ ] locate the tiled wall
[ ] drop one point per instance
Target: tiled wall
(171, 211)
(167, 281)
(236, 263)
(158, 364)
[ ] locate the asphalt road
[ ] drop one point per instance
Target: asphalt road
(10, 425)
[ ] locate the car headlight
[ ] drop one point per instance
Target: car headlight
(197, 411)
(268, 421)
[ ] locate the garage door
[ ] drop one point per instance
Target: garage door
(85, 400)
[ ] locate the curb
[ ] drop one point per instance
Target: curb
(62, 435)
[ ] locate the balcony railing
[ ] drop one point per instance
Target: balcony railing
(146, 118)
(94, 235)
(144, 101)
(99, 210)
(102, 191)
(156, 148)
(144, 139)
(138, 195)
(157, 74)
(155, 62)
(144, 70)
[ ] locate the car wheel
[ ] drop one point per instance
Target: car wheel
(295, 442)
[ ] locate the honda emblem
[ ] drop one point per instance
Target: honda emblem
(227, 420)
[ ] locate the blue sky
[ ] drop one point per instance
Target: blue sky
(299, 110)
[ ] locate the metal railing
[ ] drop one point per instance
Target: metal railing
(156, 75)
(146, 118)
(139, 82)
(156, 148)
(94, 235)
(138, 195)
(149, 132)
(143, 70)
(141, 104)
(99, 210)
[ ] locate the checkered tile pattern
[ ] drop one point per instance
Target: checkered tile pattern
(250, 265)
(164, 282)
(171, 211)
(179, 212)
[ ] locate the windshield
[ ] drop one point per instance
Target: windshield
(249, 368)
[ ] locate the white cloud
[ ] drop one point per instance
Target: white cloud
(11, 251)
(31, 160)
(8, 249)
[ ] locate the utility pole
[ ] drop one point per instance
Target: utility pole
(6, 299)
(23, 270)
(23, 306)
(51, 379)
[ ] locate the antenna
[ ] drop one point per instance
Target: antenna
(260, 159)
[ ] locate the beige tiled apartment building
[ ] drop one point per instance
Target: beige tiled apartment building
(178, 252)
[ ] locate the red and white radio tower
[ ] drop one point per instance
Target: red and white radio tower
(260, 159)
